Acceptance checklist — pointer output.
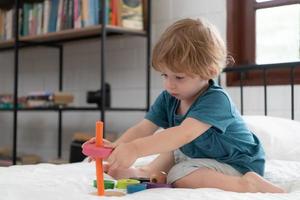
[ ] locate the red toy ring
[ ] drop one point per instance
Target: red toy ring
(96, 152)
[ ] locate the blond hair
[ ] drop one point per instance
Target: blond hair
(192, 47)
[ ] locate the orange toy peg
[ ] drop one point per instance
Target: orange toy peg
(99, 167)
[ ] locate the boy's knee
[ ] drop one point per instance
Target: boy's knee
(191, 181)
(181, 183)
(177, 184)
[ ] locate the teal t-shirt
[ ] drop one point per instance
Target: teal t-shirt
(228, 140)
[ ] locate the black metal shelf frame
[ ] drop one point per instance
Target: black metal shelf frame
(58, 44)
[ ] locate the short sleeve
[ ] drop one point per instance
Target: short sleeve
(213, 108)
(158, 111)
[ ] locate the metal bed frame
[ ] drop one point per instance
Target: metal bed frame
(241, 70)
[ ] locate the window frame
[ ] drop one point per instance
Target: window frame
(241, 43)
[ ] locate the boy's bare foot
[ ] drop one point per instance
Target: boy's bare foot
(256, 183)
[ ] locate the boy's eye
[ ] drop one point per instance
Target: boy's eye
(164, 75)
(179, 77)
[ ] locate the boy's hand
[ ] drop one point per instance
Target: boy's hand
(106, 143)
(124, 155)
(105, 167)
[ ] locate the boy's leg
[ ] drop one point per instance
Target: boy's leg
(127, 173)
(162, 163)
(209, 178)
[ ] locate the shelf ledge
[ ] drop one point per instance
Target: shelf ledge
(72, 35)
(74, 109)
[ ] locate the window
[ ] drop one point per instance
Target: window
(263, 32)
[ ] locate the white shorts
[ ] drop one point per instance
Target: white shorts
(185, 165)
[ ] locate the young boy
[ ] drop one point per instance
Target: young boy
(205, 142)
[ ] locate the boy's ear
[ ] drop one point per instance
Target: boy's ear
(213, 71)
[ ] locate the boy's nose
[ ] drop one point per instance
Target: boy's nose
(170, 85)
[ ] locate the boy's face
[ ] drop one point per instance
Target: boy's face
(182, 86)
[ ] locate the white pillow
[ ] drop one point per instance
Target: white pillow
(280, 137)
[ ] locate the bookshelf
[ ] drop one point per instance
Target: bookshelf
(57, 40)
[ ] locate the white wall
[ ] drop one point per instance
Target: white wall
(37, 131)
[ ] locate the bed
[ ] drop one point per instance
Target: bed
(280, 138)
(74, 181)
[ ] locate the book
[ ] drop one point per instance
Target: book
(60, 13)
(70, 22)
(53, 15)
(2, 25)
(6, 98)
(77, 14)
(48, 99)
(132, 14)
(64, 15)
(46, 16)
(9, 24)
(39, 21)
(62, 98)
(85, 13)
(115, 13)
(6, 162)
(108, 10)
(33, 20)
(26, 10)
(92, 12)
(97, 11)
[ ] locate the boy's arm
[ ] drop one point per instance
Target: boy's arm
(168, 140)
(142, 129)
(171, 138)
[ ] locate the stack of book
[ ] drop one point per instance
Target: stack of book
(48, 99)
(7, 101)
(5, 157)
(44, 16)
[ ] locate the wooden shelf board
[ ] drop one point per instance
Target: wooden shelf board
(73, 34)
(82, 108)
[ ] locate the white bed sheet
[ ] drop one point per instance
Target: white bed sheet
(74, 181)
